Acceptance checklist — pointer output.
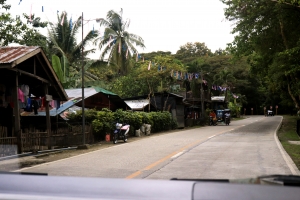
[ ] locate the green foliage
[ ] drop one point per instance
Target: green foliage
(104, 121)
(191, 51)
(16, 31)
(146, 118)
(288, 133)
(90, 115)
(63, 39)
(235, 109)
(142, 81)
(161, 121)
(129, 86)
(62, 43)
(268, 33)
(57, 68)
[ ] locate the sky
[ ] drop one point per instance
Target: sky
(165, 25)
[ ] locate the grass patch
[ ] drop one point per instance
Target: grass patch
(286, 133)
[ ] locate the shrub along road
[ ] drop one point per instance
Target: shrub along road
(246, 148)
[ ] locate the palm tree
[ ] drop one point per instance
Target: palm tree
(204, 69)
(62, 37)
(117, 43)
(225, 79)
(62, 43)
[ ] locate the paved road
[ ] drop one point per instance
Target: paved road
(246, 148)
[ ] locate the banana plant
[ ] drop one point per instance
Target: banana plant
(61, 67)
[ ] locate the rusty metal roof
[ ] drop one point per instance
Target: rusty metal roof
(10, 54)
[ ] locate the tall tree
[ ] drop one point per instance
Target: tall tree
(17, 31)
(225, 79)
(268, 32)
(191, 51)
(117, 42)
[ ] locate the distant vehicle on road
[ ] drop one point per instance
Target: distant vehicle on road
(270, 113)
(223, 116)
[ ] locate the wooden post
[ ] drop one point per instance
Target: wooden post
(17, 127)
(149, 102)
(34, 66)
(48, 123)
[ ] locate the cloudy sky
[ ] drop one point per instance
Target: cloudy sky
(164, 25)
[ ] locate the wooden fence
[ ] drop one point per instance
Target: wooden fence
(36, 139)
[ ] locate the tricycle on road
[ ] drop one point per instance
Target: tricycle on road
(223, 116)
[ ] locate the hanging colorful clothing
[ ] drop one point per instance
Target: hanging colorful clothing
(21, 95)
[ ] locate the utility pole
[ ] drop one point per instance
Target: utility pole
(202, 98)
(82, 84)
(201, 92)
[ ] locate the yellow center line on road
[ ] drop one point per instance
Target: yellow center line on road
(135, 174)
(163, 159)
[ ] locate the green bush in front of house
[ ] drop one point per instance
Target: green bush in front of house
(104, 121)
(161, 121)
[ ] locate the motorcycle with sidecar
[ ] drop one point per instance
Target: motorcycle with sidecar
(223, 116)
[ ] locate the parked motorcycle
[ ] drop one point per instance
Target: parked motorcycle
(121, 132)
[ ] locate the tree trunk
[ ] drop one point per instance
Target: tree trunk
(283, 35)
(286, 46)
(293, 97)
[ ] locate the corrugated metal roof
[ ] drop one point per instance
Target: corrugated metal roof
(10, 54)
(218, 98)
(77, 92)
(104, 91)
(137, 104)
